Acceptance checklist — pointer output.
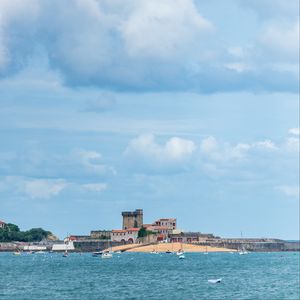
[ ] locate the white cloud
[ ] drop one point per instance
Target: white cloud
(295, 131)
(44, 188)
(91, 161)
(95, 187)
(238, 67)
(289, 190)
(292, 144)
(223, 152)
(282, 38)
(163, 28)
(176, 151)
(266, 144)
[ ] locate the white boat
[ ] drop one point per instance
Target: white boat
(182, 256)
(179, 253)
(106, 255)
(66, 253)
(17, 253)
(215, 280)
(243, 251)
(40, 252)
(154, 252)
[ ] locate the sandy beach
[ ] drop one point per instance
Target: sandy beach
(174, 247)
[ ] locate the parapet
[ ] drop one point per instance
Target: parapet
(132, 213)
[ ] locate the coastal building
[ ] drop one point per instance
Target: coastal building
(132, 219)
(101, 234)
(129, 235)
(190, 237)
(2, 224)
(66, 245)
(171, 223)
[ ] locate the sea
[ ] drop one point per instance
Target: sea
(150, 276)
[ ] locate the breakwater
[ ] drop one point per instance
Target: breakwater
(254, 245)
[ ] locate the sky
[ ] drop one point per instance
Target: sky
(185, 108)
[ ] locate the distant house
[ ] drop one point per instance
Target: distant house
(2, 224)
(129, 235)
(168, 222)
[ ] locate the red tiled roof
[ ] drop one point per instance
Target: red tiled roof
(119, 230)
(133, 229)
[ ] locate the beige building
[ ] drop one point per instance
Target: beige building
(171, 223)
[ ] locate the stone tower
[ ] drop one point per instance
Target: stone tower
(132, 219)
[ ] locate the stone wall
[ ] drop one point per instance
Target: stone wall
(94, 245)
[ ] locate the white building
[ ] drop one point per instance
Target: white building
(125, 235)
(67, 245)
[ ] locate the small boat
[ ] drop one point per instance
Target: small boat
(154, 252)
(17, 253)
(168, 251)
(40, 252)
(106, 255)
(118, 252)
(65, 254)
(97, 253)
(179, 253)
(243, 251)
(215, 280)
(182, 256)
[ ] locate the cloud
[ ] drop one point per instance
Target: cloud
(42, 188)
(138, 45)
(289, 190)
(292, 144)
(212, 149)
(34, 188)
(95, 187)
(163, 29)
(295, 131)
(173, 155)
(282, 40)
(91, 161)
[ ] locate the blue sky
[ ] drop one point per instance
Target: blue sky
(187, 109)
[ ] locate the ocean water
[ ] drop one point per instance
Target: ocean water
(149, 276)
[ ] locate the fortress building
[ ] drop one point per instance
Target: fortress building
(132, 219)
